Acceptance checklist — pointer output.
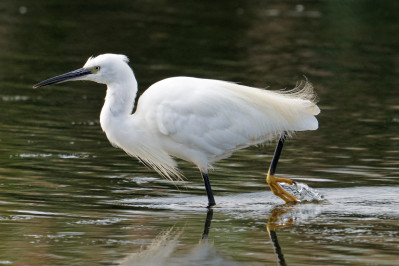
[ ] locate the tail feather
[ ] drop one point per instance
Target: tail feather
(306, 108)
(303, 90)
(280, 111)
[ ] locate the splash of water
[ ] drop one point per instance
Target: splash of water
(303, 192)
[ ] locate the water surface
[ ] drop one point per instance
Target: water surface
(68, 197)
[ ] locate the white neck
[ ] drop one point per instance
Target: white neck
(119, 101)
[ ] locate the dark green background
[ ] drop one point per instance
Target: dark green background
(68, 197)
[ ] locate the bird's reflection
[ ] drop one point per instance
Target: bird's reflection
(207, 226)
(162, 250)
(285, 216)
(275, 222)
(159, 252)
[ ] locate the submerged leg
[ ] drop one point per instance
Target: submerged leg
(209, 193)
(273, 181)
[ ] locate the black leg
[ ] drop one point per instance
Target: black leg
(277, 153)
(211, 200)
(273, 181)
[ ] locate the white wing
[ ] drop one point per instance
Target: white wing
(206, 120)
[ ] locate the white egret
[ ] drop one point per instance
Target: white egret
(198, 120)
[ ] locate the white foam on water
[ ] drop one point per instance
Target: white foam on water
(303, 192)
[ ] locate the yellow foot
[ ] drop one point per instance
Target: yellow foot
(278, 190)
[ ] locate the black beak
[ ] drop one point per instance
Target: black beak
(64, 77)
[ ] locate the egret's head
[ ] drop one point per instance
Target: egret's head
(104, 68)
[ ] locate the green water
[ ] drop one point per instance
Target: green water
(67, 197)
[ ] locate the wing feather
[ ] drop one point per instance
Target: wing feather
(214, 118)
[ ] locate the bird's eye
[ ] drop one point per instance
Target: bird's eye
(97, 68)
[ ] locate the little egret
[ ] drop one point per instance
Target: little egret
(198, 120)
